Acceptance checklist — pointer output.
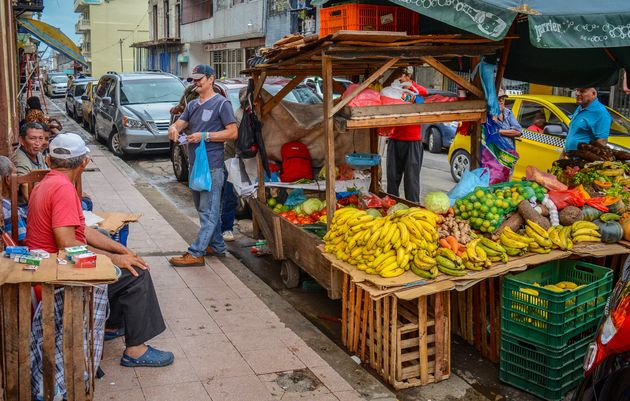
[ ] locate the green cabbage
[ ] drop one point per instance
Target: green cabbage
(312, 205)
(437, 202)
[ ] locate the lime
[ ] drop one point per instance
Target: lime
(465, 216)
(484, 209)
(271, 202)
(494, 210)
(477, 205)
(285, 208)
(479, 193)
(486, 224)
(475, 213)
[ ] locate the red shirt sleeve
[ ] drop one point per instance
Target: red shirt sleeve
(422, 91)
(66, 209)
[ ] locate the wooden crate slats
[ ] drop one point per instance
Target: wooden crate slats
(423, 339)
(24, 323)
(364, 337)
(68, 319)
(344, 308)
(48, 346)
(10, 313)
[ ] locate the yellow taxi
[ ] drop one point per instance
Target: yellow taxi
(538, 149)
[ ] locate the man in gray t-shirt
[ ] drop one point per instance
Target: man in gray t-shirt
(209, 118)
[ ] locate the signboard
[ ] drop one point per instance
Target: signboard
(221, 46)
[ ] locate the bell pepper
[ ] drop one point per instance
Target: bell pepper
(597, 203)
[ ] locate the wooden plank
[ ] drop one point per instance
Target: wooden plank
(422, 338)
(259, 81)
(386, 339)
(278, 245)
(357, 319)
(345, 301)
(357, 112)
(277, 98)
(399, 356)
(391, 121)
(334, 291)
(351, 306)
(492, 303)
(416, 52)
(48, 346)
(367, 82)
(11, 346)
(371, 36)
(374, 177)
(483, 318)
(393, 338)
(447, 336)
(78, 353)
(364, 325)
(371, 334)
(24, 323)
(440, 328)
(461, 300)
(450, 74)
(68, 341)
(379, 334)
(454, 313)
(477, 323)
(475, 146)
(329, 138)
(470, 316)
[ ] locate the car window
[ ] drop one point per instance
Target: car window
(111, 91)
(509, 103)
(619, 126)
(150, 91)
(59, 79)
(79, 89)
(528, 112)
(102, 87)
(233, 98)
(300, 94)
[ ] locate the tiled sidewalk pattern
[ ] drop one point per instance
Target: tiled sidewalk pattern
(228, 345)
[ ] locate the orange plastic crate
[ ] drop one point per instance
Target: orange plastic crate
(367, 17)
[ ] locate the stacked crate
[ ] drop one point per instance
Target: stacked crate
(368, 17)
(545, 333)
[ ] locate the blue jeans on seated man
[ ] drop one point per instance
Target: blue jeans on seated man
(208, 204)
(229, 201)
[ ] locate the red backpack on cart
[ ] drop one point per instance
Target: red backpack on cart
(296, 162)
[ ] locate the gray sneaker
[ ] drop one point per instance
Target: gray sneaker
(228, 236)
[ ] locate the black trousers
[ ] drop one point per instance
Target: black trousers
(134, 305)
(404, 158)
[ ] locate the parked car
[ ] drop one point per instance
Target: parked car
(87, 102)
(230, 88)
(131, 110)
(317, 85)
(74, 101)
(438, 136)
(607, 362)
(56, 84)
(535, 148)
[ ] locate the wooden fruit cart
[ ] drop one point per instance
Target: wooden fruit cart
(353, 54)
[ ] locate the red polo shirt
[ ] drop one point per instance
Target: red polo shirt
(53, 203)
(410, 132)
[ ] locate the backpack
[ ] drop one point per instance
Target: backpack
(249, 131)
(296, 162)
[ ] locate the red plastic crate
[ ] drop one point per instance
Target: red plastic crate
(367, 17)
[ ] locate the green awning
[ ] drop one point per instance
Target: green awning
(552, 23)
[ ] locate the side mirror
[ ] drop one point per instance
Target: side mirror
(554, 129)
(106, 100)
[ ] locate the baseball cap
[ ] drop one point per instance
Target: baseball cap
(67, 146)
(501, 93)
(408, 70)
(200, 71)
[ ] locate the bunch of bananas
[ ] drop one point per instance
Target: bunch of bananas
(560, 236)
(514, 244)
(383, 245)
(449, 263)
(585, 231)
(494, 251)
(541, 242)
(476, 257)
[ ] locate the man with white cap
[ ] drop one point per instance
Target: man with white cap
(55, 221)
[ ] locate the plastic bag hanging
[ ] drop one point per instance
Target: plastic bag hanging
(200, 179)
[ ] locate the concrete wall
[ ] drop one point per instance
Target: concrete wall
(278, 26)
(109, 22)
(197, 55)
(240, 21)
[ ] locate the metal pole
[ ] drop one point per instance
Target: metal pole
(122, 68)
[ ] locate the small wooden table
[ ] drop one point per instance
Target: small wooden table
(78, 318)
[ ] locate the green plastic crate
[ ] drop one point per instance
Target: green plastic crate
(545, 372)
(553, 318)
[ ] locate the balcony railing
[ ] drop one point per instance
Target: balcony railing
(80, 5)
(34, 6)
(82, 25)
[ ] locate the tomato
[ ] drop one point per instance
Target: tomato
(284, 214)
(315, 215)
(295, 221)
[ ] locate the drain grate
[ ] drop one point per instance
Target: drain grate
(298, 381)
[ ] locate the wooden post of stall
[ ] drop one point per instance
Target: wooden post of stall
(329, 137)
(260, 190)
(374, 171)
(507, 43)
(475, 129)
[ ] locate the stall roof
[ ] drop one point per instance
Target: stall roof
(53, 37)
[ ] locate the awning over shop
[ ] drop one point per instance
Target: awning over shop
(572, 44)
(53, 37)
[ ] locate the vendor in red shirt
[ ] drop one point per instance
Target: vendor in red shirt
(55, 221)
(404, 150)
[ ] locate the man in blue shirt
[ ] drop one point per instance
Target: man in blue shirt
(508, 126)
(210, 118)
(590, 121)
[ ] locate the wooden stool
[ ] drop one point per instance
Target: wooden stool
(15, 339)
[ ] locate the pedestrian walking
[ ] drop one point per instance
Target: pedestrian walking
(404, 150)
(209, 118)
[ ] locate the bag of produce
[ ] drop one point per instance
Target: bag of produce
(367, 97)
(470, 180)
(547, 180)
(569, 197)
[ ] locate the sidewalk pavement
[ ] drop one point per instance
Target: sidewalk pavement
(228, 344)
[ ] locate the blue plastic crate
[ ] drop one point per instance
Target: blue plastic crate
(363, 160)
(122, 235)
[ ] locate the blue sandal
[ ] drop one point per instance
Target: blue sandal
(151, 358)
(110, 335)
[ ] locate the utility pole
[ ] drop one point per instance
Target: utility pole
(122, 68)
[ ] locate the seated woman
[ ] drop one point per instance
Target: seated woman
(539, 123)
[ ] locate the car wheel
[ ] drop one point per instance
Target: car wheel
(68, 111)
(180, 163)
(435, 140)
(77, 116)
(460, 162)
(114, 145)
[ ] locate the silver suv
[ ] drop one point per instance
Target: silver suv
(131, 110)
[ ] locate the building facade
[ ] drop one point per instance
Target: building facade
(164, 50)
(286, 17)
(108, 29)
(223, 33)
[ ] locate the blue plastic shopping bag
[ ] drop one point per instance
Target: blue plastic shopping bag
(200, 179)
(470, 180)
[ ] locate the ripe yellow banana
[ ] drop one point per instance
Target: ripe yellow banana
(586, 238)
(488, 243)
(511, 243)
(515, 236)
(404, 234)
(537, 228)
(586, 231)
(392, 273)
(584, 224)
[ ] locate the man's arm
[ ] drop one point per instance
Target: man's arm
(228, 134)
(177, 127)
(510, 132)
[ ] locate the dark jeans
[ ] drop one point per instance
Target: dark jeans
(404, 158)
(229, 201)
(134, 305)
